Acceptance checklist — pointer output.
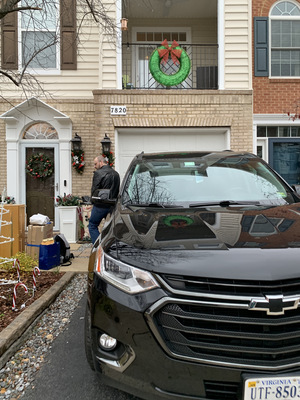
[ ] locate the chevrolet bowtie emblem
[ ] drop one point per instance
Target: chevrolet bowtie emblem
(274, 304)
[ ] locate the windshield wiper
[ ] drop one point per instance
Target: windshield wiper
(225, 203)
(155, 205)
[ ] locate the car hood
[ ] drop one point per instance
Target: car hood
(249, 242)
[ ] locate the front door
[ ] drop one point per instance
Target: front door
(40, 191)
(284, 157)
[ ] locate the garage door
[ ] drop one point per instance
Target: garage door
(131, 142)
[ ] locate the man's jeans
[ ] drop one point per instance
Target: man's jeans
(97, 215)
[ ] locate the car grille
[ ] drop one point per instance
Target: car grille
(232, 287)
(216, 330)
(221, 390)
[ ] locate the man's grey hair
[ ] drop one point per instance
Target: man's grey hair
(103, 159)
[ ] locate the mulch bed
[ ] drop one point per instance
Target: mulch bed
(8, 280)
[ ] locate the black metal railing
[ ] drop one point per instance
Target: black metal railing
(136, 73)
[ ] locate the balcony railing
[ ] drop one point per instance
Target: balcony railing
(136, 73)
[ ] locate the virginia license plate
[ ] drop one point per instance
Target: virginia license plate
(272, 388)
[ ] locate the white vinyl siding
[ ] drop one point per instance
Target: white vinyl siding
(97, 61)
(237, 44)
(78, 83)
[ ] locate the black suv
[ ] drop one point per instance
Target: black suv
(194, 282)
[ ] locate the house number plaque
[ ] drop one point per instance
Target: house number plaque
(118, 110)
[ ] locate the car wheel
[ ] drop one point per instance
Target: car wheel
(88, 338)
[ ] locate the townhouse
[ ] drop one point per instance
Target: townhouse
(97, 85)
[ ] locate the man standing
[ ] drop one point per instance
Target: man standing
(104, 177)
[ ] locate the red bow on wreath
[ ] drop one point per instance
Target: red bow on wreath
(169, 50)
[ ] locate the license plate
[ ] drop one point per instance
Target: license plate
(272, 388)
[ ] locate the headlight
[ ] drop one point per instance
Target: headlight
(129, 279)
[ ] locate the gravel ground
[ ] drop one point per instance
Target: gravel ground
(19, 372)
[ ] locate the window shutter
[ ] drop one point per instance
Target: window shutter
(68, 43)
(261, 46)
(9, 40)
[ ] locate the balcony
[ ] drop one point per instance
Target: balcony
(203, 74)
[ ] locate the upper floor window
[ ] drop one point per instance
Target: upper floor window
(39, 35)
(44, 39)
(285, 39)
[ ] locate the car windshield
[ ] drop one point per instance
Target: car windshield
(204, 180)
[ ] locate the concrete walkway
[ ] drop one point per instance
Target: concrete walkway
(81, 252)
(12, 337)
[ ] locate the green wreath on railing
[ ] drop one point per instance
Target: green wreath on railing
(39, 166)
(161, 56)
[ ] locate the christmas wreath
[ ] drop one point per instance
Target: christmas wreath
(161, 56)
(178, 221)
(110, 157)
(78, 162)
(39, 166)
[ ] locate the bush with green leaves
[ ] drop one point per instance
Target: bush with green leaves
(26, 262)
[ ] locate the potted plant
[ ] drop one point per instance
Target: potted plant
(7, 199)
(68, 206)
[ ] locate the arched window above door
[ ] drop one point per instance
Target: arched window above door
(285, 8)
(40, 131)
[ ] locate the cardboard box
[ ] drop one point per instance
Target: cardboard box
(33, 250)
(36, 234)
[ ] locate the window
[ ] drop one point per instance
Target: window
(39, 38)
(51, 37)
(40, 131)
(278, 131)
(285, 39)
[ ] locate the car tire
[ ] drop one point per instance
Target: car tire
(88, 338)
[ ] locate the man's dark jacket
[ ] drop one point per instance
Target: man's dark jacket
(106, 178)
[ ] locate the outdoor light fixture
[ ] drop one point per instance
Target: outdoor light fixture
(76, 142)
(106, 143)
(124, 22)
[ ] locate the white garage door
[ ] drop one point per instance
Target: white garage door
(131, 142)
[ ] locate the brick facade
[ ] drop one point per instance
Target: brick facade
(178, 108)
(174, 108)
(272, 96)
(275, 96)
(82, 115)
